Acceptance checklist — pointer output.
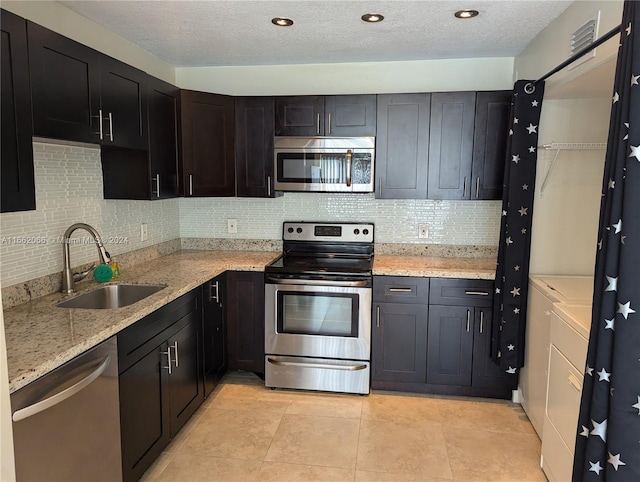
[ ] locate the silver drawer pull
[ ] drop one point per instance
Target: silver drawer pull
(476, 293)
(468, 319)
(317, 365)
(400, 290)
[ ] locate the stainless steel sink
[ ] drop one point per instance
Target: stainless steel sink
(111, 296)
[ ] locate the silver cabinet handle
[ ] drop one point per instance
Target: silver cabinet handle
(63, 395)
(464, 187)
(477, 187)
(318, 124)
(175, 348)
(268, 186)
(110, 127)
(329, 123)
(400, 290)
(190, 184)
(378, 316)
(316, 365)
(476, 293)
(168, 353)
(468, 319)
(157, 180)
(99, 125)
(481, 321)
(349, 158)
(213, 297)
(379, 187)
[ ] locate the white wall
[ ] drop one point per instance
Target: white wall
(352, 78)
(59, 18)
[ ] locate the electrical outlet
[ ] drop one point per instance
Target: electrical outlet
(232, 226)
(423, 231)
(144, 233)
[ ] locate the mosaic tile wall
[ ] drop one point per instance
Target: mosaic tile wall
(69, 190)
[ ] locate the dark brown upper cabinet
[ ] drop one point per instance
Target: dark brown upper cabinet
(451, 145)
(254, 131)
(402, 146)
(336, 115)
(490, 144)
(152, 173)
(82, 95)
(16, 173)
(207, 140)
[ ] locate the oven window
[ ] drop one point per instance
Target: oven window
(329, 314)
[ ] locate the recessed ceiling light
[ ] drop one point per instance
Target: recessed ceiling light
(282, 21)
(372, 17)
(466, 13)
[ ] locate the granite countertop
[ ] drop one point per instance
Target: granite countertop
(469, 268)
(40, 336)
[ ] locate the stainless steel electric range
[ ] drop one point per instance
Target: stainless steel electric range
(318, 308)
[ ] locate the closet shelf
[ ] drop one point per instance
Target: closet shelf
(567, 146)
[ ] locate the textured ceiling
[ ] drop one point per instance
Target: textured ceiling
(237, 32)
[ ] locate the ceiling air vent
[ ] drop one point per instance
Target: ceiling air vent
(584, 36)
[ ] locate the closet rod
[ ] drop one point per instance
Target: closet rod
(579, 54)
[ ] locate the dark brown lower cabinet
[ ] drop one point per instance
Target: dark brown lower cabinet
(245, 320)
(214, 356)
(159, 363)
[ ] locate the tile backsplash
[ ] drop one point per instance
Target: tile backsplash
(69, 190)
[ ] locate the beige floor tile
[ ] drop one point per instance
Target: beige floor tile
(365, 476)
(324, 441)
(232, 433)
(397, 407)
(404, 447)
(322, 405)
(240, 391)
(477, 455)
(157, 467)
(280, 472)
(182, 435)
(484, 414)
(195, 468)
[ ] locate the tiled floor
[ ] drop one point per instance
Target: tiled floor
(247, 432)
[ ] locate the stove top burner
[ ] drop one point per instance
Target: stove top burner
(321, 265)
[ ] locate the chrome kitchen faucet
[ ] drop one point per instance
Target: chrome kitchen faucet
(68, 278)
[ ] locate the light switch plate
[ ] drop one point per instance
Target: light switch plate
(232, 226)
(144, 233)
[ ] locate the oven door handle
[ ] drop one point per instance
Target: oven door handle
(315, 282)
(317, 365)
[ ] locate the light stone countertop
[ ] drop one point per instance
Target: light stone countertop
(467, 268)
(40, 336)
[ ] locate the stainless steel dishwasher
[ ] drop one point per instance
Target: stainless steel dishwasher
(66, 424)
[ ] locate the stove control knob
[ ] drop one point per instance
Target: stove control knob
(356, 231)
(299, 230)
(290, 230)
(365, 231)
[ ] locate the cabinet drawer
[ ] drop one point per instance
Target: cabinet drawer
(400, 289)
(461, 292)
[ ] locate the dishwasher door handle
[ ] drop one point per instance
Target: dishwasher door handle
(60, 397)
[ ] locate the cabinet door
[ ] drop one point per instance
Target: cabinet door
(163, 138)
(300, 116)
(245, 321)
(450, 345)
(207, 130)
(144, 413)
(255, 129)
(16, 174)
(490, 144)
(124, 105)
(402, 146)
(487, 374)
(350, 115)
(185, 388)
(399, 351)
(214, 357)
(451, 145)
(65, 84)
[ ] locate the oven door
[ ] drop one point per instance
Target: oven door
(305, 318)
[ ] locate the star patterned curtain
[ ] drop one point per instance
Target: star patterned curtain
(608, 440)
(512, 272)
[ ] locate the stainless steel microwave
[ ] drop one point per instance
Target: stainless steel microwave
(324, 164)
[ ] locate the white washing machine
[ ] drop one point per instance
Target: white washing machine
(544, 290)
(569, 339)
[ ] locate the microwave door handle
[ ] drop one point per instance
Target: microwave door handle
(349, 158)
